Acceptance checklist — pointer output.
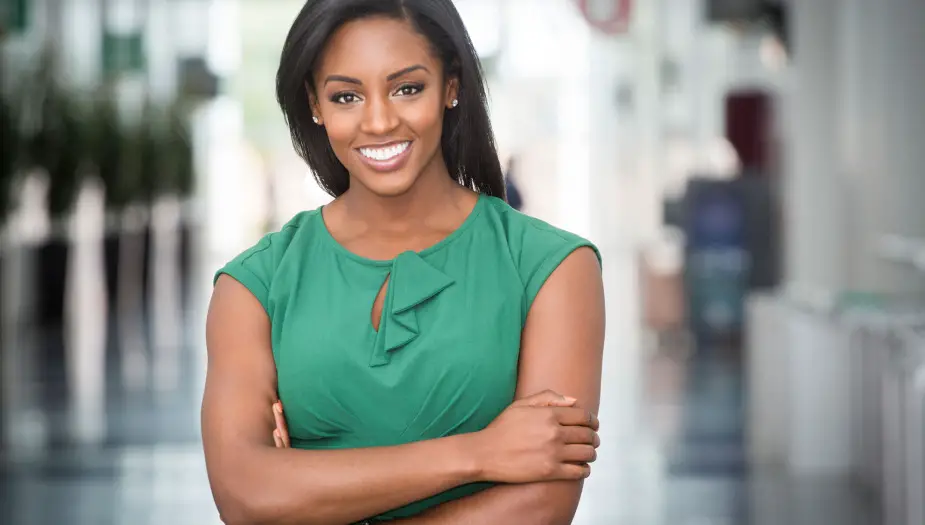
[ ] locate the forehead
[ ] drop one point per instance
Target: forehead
(374, 47)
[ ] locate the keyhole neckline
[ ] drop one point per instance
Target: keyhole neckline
(375, 321)
(439, 245)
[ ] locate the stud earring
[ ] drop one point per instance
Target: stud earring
(454, 103)
(316, 120)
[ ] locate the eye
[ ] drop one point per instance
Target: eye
(345, 98)
(408, 90)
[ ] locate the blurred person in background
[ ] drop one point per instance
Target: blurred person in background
(438, 355)
(510, 186)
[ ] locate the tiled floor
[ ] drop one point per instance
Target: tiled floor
(672, 432)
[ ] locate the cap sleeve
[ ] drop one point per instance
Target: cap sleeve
(256, 266)
(542, 250)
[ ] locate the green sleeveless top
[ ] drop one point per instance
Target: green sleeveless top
(444, 360)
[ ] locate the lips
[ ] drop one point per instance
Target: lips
(385, 153)
(387, 157)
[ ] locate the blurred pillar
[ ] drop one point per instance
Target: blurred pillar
(160, 52)
(79, 37)
(881, 129)
(576, 147)
(814, 193)
(854, 159)
(645, 176)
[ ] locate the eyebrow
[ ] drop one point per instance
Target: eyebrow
(391, 77)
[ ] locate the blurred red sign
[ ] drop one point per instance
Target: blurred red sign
(609, 16)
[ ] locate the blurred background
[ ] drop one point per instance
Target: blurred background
(752, 171)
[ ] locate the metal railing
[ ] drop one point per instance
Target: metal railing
(915, 428)
(888, 362)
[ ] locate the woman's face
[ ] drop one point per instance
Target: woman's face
(381, 95)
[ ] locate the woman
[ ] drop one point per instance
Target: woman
(437, 354)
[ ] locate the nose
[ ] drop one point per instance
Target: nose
(379, 116)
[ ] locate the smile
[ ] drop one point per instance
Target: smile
(387, 153)
(387, 158)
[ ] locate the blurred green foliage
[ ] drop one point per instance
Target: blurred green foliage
(71, 135)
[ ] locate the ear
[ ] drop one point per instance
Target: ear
(452, 92)
(313, 103)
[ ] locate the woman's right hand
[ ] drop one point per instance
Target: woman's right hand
(544, 437)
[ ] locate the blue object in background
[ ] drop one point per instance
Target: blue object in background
(716, 270)
(513, 195)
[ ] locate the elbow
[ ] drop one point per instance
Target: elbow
(553, 514)
(244, 495)
(557, 516)
(236, 509)
(247, 504)
(233, 516)
(252, 505)
(558, 503)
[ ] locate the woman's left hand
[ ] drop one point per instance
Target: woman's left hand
(281, 432)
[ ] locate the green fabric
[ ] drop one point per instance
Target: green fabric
(444, 360)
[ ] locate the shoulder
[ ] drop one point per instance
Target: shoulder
(529, 238)
(295, 231)
(536, 247)
(256, 266)
(274, 245)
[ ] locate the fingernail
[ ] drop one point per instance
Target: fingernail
(277, 409)
(570, 399)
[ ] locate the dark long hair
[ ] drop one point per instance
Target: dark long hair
(467, 142)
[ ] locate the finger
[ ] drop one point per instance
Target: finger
(579, 454)
(281, 423)
(577, 417)
(278, 419)
(578, 435)
(574, 471)
(546, 398)
(283, 427)
(277, 440)
(563, 402)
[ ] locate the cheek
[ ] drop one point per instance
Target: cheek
(340, 130)
(425, 119)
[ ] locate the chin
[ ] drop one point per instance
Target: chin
(389, 185)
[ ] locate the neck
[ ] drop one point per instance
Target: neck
(434, 192)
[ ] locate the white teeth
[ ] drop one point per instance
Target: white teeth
(385, 153)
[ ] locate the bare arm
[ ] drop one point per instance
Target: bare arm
(562, 350)
(253, 482)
